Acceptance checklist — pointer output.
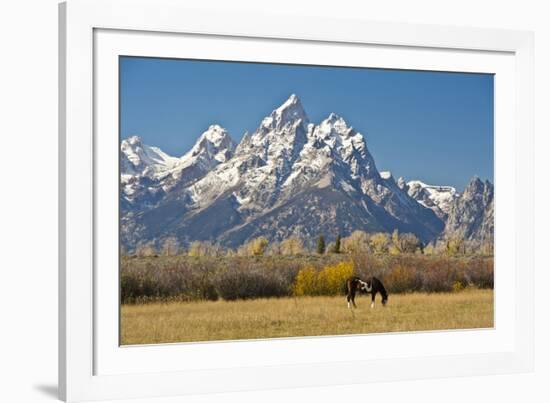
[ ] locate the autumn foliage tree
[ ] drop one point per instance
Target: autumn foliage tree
(292, 246)
(404, 243)
(170, 246)
(257, 246)
(357, 242)
(455, 246)
(380, 242)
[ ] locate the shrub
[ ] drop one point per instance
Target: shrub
(402, 279)
(306, 282)
(438, 277)
(480, 272)
(245, 283)
(329, 281)
(429, 249)
(458, 286)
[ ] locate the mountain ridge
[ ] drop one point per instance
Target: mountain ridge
(286, 170)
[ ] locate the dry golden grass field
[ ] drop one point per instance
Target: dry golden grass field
(303, 316)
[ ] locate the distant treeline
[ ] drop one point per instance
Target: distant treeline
(188, 277)
(359, 242)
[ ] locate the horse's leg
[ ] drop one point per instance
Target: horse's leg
(353, 299)
(349, 299)
(373, 295)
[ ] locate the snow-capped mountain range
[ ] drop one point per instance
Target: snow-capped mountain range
(148, 174)
(289, 177)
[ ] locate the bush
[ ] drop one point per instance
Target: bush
(480, 272)
(332, 279)
(403, 279)
(458, 286)
(328, 281)
(306, 282)
(245, 283)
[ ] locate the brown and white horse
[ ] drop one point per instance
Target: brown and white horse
(372, 286)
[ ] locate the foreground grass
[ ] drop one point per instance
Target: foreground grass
(304, 316)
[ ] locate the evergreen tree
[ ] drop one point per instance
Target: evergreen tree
(337, 244)
(321, 245)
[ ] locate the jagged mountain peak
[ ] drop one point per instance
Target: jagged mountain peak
(336, 122)
(291, 105)
(333, 125)
(341, 138)
(472, 214)
(290, 112)
(335, 119)
(215, 142)
(132, 140)
(476, 185)
(138, 157)
(214, 134)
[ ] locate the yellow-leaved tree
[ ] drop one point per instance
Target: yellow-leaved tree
(257, 246)
(380, 242)
(330, 280)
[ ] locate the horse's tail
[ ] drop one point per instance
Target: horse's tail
(381, 290)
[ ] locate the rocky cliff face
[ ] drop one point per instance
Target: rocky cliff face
(471, 216)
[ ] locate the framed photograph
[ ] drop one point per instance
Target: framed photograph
(252, 201)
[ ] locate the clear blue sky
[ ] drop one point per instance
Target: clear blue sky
(436, 127)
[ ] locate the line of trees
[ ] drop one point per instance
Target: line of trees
(210, 278)
(358, 242)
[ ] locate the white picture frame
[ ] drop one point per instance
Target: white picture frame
(92, 366)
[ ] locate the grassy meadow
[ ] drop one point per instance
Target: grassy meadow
(179, 321)
(186, 298)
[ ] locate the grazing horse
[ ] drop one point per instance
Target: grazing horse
(372, 286)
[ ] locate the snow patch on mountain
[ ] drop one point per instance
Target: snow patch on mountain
(385, 174)
(440, 199)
